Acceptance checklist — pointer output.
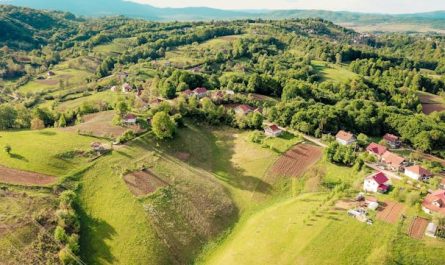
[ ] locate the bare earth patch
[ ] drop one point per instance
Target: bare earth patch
(345, 204)
(390, 212)
(144, 182)
(100, 124)
(417, 228)
(19, 177)
(296, 161)
(431, 103)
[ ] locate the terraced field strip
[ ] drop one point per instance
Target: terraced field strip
(27, 178)
(143, 182)
(391, 212)
(417, 228)
(296, 161)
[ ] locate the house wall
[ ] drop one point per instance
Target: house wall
(412, 175)
(370, 186)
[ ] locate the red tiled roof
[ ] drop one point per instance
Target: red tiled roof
(130, 117)
(274, 128)
(376, 149)
(437, 196)
(383, 187)
(390, 137)
(244, 108)
(419, 170)
(380, 178)
(188, 92)
(392, 159)
(200, 90)
(345, 136)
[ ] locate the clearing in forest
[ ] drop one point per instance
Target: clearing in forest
(431, 103)
(390, 211)
(296, 161)
(143, 182)
(20, 177)
(417, 228)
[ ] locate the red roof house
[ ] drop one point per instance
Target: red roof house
(376, 183)
(392, 140)
(376, 149)
(200, 92)
(434, 202)
(130, 119)
(273, 130)
(188, 93)
(393, 161)
(418, 173)
(345, 138)
(243, 109)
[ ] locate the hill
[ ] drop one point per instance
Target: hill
(434, 20)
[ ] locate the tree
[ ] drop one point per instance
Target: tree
(168, 89)
(8, 116)
(8, 149)
(162, 125)
(62, 121)
(362, 139)
(338, 58)
(37, 124)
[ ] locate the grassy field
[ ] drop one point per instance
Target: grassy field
(296, 231)
(30, 150)
(105, 96)
(74, 77)
(116, 47)
(193, 54)
(333, 72)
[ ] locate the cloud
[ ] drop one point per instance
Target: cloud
(374, 6)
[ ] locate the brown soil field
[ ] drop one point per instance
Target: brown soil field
(100, 125)
(431, 103)
(296, 161)
(345, 204)
(390, 211)
(430, 108)
(417, 228)
(144, 182)
(19, 177)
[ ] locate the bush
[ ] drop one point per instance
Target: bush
(126, 136)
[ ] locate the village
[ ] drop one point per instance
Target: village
(390, 169)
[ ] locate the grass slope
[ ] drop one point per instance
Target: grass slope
(37, 150)
(333, 72)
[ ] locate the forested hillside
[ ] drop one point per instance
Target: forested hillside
(148, 136)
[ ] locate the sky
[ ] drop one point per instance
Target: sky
(371, 6)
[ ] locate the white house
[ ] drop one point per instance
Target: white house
(273, 130)
(345, 138)
(418, 173)
(376, 183)
(130, 119)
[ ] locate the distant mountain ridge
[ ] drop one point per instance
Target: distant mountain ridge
(97, 8)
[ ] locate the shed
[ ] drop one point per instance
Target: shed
(431, 230)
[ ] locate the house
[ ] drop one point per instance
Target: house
(418, 173)
(200, 92)
(243, 109)
(218, 96)
(431, 230)
(393, 161)
(434, 203)
(376, 150)
(96, 146)
(187, 93)
(126, 88)
(345, 138)
(130, 119)
(273, 131)
(51, 73)
(230, 92)
(392, 140)
(377, 183)
(140, 90)
(113, 89)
